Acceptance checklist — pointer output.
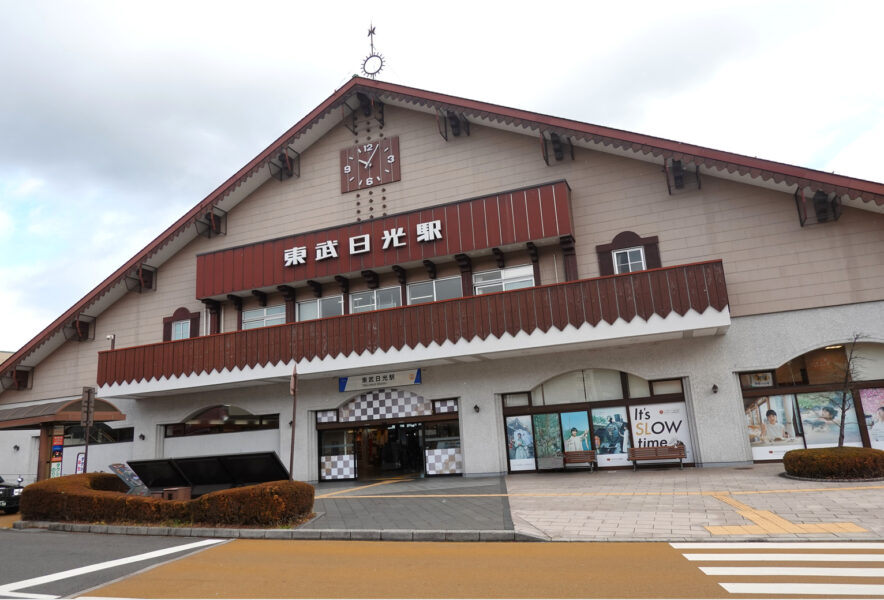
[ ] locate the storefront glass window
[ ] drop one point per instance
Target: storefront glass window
(611, 436)
(670, 386)
(602, 384)
(773, 426)
(821, 419)
(661, 425)
(334, 443)
(548, 441)
(873, 407)
(638, 387)
(441, 435)
(520, 443)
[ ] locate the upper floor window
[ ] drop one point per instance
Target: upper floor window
(182, 325)
(502, 280)
(435, 290)
(180, 330)
(320, 308)
(263, 317)
(222, 419)
(375, 299)
(629, 260)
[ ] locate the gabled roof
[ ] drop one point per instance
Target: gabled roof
(338, 106)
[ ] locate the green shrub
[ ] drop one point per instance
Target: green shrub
(835, 463)
(101, 497)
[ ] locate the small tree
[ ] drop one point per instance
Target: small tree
(851, 373)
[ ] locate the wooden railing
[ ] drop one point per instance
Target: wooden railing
(589, 301)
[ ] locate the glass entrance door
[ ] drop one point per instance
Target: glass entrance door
(390, 450)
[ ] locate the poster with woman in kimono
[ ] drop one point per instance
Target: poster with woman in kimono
(520, 443)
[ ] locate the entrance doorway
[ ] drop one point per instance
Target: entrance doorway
(390, 450)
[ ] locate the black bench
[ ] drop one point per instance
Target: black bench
(658, 453)
(580, 457)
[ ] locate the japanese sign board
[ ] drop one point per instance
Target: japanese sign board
(378, 380)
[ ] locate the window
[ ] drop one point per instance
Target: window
(375, 299)
(502, 280)
(263, 317)
(435, 290)
(180, 330)
(99, 433)
(629, 260)
(222, 419)
(320, 308)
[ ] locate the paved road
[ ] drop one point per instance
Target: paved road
(56, 564)
(329, 569)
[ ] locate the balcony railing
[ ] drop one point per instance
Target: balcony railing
(589, 301)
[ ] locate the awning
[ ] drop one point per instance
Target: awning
(64, 411)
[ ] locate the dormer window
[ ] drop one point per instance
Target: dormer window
(181, 330)
(629, 260)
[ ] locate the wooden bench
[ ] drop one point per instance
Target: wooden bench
(580, 457)
(658, 453)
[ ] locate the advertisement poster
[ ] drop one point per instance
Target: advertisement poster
(873, 407)
(55, 470)
(520, 443)
(661, 425)
(772, 425)
(821, 419)
(611, 436)
(548, 441)
(575, 431)
(81, 463)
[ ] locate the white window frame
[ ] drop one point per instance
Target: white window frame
(180, 330)
(373, 294)
(509, 278)
(319, 302)
(259, 317)
(434, 283)
(631, 265)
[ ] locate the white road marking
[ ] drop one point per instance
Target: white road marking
(10, 588)
(805, 589)
(791, 571)
(787, 557)
(778, 545)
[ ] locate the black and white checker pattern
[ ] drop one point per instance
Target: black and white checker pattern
(385, 404)
(327, 416)
(341, 466)
(444, 461)
(446, 406)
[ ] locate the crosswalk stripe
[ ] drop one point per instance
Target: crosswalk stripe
(833, 589)
(793, 571)
(778, 545)
(760, 557)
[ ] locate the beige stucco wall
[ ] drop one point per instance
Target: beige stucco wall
(771, 263)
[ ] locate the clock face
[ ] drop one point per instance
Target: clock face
(370, 164)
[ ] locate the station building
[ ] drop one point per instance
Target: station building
(470, 289)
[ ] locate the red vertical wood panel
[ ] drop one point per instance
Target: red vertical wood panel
(493, 307)
(247, 281)
(699, 295)
(720, 286)
(526, 311)
(544, 310)
(238, 268)
(407, 253)
(592, 306)
(210, 286)
(229, 351)
(625, 297)
(103, 364)
(641, 286)
(507, 219)
(548, 221)
(269, 264)
(574, 303)
(608, 299)
(278, 262)
(520, 216)
(534, 221)
(159, 359)
(227, 269)
(454, 241)
(662, 301)
(563, 209)
(200, 278)
(491, 211)
(558, 310)
(465, 220)
(138, 363)
(678, 291)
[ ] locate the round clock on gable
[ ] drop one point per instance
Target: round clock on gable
(369, 164)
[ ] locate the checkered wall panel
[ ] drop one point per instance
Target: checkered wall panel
(446, 406)
(385, 404)
(444, 461)
(327, 416)
(342, 466)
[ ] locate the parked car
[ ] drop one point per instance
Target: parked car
(10, 495)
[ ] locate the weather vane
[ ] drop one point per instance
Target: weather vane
(374, 62)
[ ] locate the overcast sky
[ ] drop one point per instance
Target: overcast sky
(117, 117)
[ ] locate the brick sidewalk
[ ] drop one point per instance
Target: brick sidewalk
(670, 504)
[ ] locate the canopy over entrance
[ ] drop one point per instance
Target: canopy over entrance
(31, 417)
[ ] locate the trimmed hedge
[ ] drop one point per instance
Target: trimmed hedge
(835, 463)
(101, 497)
